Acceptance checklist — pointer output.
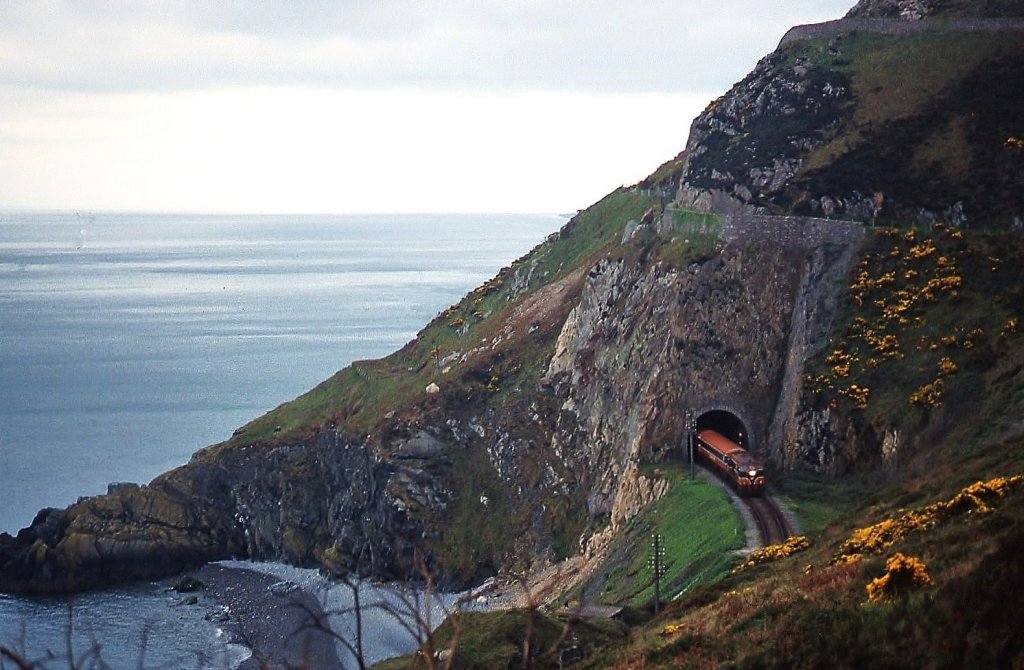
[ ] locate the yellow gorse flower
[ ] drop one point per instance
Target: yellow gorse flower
(877, 538)
(673, 629)
(774, 552)
(902, 574)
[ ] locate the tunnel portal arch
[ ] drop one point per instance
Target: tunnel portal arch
(728, 423)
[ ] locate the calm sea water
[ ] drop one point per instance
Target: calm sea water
(129, 341)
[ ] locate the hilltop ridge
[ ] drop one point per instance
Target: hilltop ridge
(880, 120)
(916, 10)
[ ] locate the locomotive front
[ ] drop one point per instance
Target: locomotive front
(749, 474)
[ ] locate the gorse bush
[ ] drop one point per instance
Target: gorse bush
(774, 552)
(903, 574)
(878, 537)
(924, 313)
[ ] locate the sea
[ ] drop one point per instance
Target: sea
(128, 341)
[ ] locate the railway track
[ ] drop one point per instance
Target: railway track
(771, 523)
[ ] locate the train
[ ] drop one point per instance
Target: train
(737, 465)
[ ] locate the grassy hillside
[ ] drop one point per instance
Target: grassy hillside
(701, 534)
(358, 397)
(932, 118)
(930, 341)
(887, 588)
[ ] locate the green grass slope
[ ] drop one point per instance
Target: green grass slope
(932, 118)
(700, 531)
(357, 398)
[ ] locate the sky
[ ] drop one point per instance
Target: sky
(353, 106)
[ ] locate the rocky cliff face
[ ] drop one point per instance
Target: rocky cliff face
(747, 146)
(647, 344)
(873, 119)
(288, 502)
(130, 533)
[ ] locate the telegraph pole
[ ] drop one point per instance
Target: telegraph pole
(689, 438)
(657, 566)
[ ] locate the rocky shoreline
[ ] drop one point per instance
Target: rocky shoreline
(277, 621)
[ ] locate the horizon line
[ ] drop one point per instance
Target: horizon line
(187, 212)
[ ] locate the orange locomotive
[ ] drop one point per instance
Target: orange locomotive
(732, 461)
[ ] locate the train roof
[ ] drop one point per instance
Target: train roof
(725, 446)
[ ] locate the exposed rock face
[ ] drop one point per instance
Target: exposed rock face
(798, 437)
(915, 10)
(802, 133)
(329, 502)
(298, 501)
(746, 146)
(136, 534)
(645, 345)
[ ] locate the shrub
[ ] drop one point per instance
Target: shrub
(774, 552)
(902, 575)
(880, 536)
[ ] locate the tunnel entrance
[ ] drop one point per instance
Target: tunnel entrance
(726, 423)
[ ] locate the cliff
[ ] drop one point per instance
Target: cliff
(873, 119)
(514, 427)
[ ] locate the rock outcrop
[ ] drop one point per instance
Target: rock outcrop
(645, 345)
(817, 129)
(122, 536)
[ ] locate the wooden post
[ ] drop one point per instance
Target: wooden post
(689, 438)
(657, 564)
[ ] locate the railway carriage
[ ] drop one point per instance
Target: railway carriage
(737, 465)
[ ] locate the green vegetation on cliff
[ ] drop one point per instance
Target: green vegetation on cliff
(357, 398)
(841, 603)
(930, 341)
(946, 137)
(701, 534)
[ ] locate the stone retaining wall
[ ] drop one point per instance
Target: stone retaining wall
(795, 232)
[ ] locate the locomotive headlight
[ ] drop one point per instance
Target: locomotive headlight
(753, 473)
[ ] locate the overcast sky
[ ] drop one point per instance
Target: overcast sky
(298, 106)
